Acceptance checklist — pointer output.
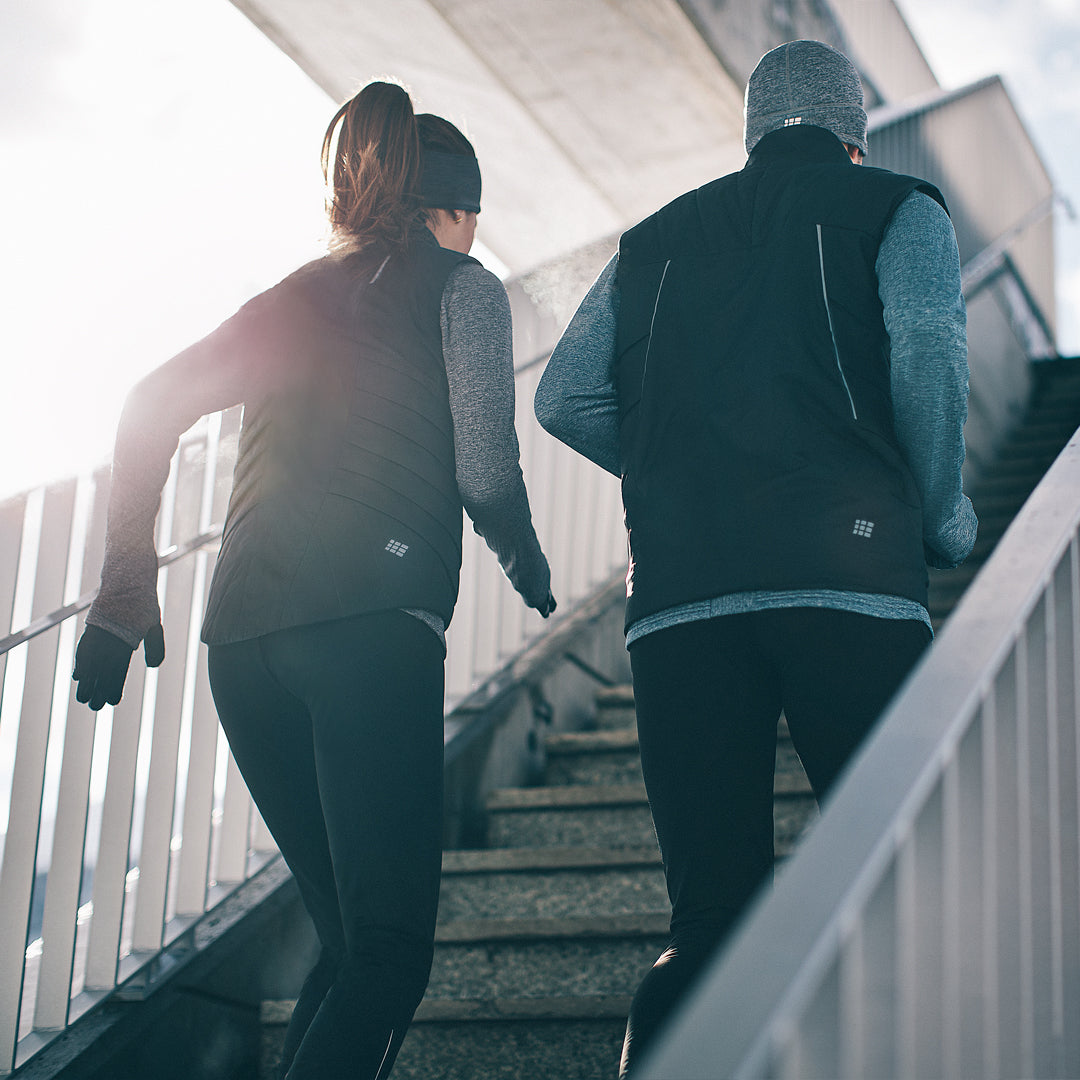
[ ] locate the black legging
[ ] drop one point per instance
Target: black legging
(337, 730)
(708, 697)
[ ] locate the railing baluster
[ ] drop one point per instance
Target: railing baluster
(20, 845)
(235, 829)
(1044, 835)
(1026, 657)
(194, 861)
(853, 998)
(881, 979)
(952, 918)
(12, 515)
(1068, 696)
(155, 849)
(907, 966)
(990, 964)
(110, 889)
(65, 874)
(971, 916)
(65, 871)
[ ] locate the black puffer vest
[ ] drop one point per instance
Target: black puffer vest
(758, 451)
(344, 496)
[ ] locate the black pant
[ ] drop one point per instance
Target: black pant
(337, 730)
(708, 697)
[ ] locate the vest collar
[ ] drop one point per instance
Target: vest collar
(799, 144)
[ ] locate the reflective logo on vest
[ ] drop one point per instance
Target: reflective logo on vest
(396, 547)
(862, 527)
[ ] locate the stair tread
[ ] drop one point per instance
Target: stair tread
(591, 1007)
(513, 860)
(436, 1009)
(615, 696)
(583, 796)
(585, 742)
(534, 928)
(566, 796)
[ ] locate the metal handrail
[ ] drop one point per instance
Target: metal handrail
(55, 618)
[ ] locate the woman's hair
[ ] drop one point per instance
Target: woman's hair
(374, 196)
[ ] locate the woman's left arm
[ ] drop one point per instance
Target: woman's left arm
(478, 350)
(211, 375)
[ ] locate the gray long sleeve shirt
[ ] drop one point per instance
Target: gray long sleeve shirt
(919, 285)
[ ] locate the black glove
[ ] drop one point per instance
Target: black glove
(548, 606)
(101, 664)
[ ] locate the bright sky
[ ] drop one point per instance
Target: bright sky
(147, 190)
(1035, 46)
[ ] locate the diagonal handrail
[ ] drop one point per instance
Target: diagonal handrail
(55, 618)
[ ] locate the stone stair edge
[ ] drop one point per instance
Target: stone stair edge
(448, 1010)
(595, 796)
(463, 861)
(617, 696)
(565, 797)
(586, 1007)
(590, 927)
(591, 742)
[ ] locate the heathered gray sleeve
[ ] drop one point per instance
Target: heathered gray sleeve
(918, 270)
(576, 400)
(478, 349)
(210, 375)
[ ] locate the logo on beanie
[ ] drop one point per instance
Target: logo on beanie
(791, 121)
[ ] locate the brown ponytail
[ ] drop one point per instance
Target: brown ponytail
(374, 196)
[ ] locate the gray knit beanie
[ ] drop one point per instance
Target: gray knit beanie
(805, 82)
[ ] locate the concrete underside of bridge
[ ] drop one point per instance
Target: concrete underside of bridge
(586, 114)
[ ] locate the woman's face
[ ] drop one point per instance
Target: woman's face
(454, 229)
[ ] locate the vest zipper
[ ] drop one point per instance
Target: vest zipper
(832, 332)
(652, 321)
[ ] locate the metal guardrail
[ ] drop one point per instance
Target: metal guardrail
(124, 828)
(930, 923)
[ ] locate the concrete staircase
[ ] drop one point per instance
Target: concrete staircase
(544, 934)
(1051, 419)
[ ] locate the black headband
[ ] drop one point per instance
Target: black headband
(450, 181)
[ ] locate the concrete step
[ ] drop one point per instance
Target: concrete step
(606, 756)
(615, 707)
(572, 815)
(534, 957)
(615, 815)
(550, 882)
(563, 1038)
(553, 1038)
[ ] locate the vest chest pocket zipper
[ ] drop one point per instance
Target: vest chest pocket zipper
(832, 332)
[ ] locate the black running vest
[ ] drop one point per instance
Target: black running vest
(758, 451)
(344, 495)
